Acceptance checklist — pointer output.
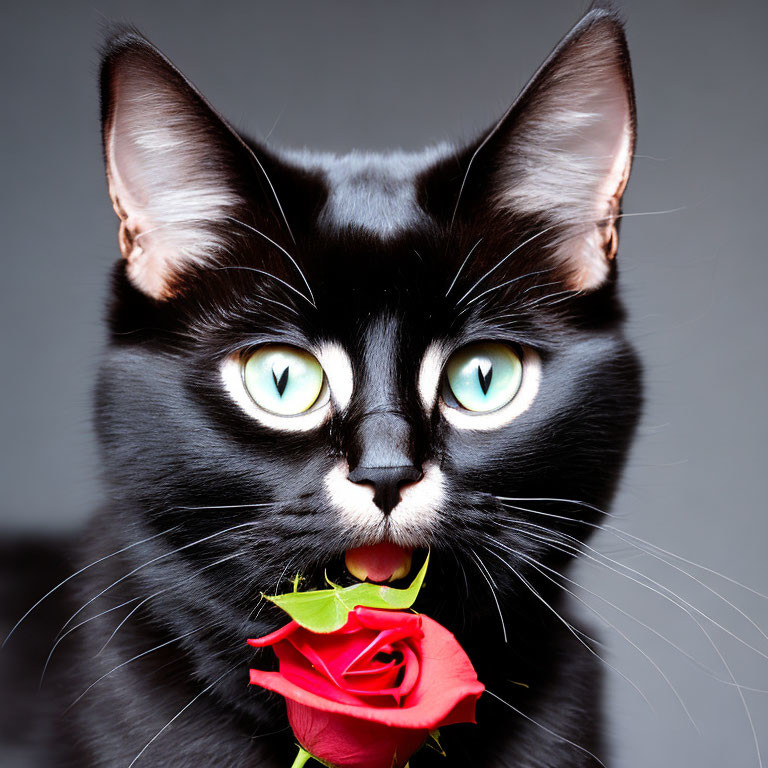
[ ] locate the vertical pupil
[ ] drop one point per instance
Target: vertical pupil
(485, 377)
(281, 382)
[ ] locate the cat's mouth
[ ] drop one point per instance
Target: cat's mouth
(383, 563)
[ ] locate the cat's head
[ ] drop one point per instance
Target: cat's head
(311, 353)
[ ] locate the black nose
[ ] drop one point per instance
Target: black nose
(386, 482)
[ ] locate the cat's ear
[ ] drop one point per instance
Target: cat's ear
(174, 167)
(563, 152)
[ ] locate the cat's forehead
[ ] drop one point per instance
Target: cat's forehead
(373, 192)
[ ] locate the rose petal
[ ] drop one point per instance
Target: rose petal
(447, 691)
(332, 652)
(379, 619)
(276, 636)
(349, 743)
(381, 639)
(296, 669)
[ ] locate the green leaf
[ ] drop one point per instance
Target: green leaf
(433, 742)
(326, 610)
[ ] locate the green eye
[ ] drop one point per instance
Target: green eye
(485, 376)
(282, 379)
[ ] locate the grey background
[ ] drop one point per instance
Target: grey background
(339, 75)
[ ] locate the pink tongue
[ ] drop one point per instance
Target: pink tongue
(381, 562)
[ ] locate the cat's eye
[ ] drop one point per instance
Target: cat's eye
(484, 376)
(282, 379)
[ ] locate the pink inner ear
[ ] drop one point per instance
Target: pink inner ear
(589, 253)
(165, 167)
(570, 156)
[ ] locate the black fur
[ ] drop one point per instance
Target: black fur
(380, 240)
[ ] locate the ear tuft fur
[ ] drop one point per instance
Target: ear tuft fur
(170, 165)
(569, 149)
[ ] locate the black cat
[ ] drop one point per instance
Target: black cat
(311, 353)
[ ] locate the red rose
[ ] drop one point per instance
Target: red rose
(369, 694)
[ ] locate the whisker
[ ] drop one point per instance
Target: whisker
(565, 295)
(463, 264)
(485, 573)
(619, 534)
(130, 613)
(462, 603)
(77, 573)
(478, 149)
(563, 501)
(682, 603)
(740, 691)
(282, 574)
(505, 284)
(134, 658)
(270, 733)
(694, 579)
(261, 604)
(676, 600)
(274, 192)
(227, 506)
(268, 274)
(279, 247)
(145, 600)
(552, 515)
(544, 728)
(664, 212)
(154, 560)
(464, 574)
(577, 549)
(181, 712)
(512, 253)
(703, 667)
(502, 260)
(137, 237)
(570, 627)
(539, 565)
(61, 637)
(278, 304)
(539, 286)
(588, 223)
(689, 562)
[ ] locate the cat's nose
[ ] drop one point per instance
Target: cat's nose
(386, 482)
(383, 455)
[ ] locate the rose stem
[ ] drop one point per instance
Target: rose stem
(302, 758)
